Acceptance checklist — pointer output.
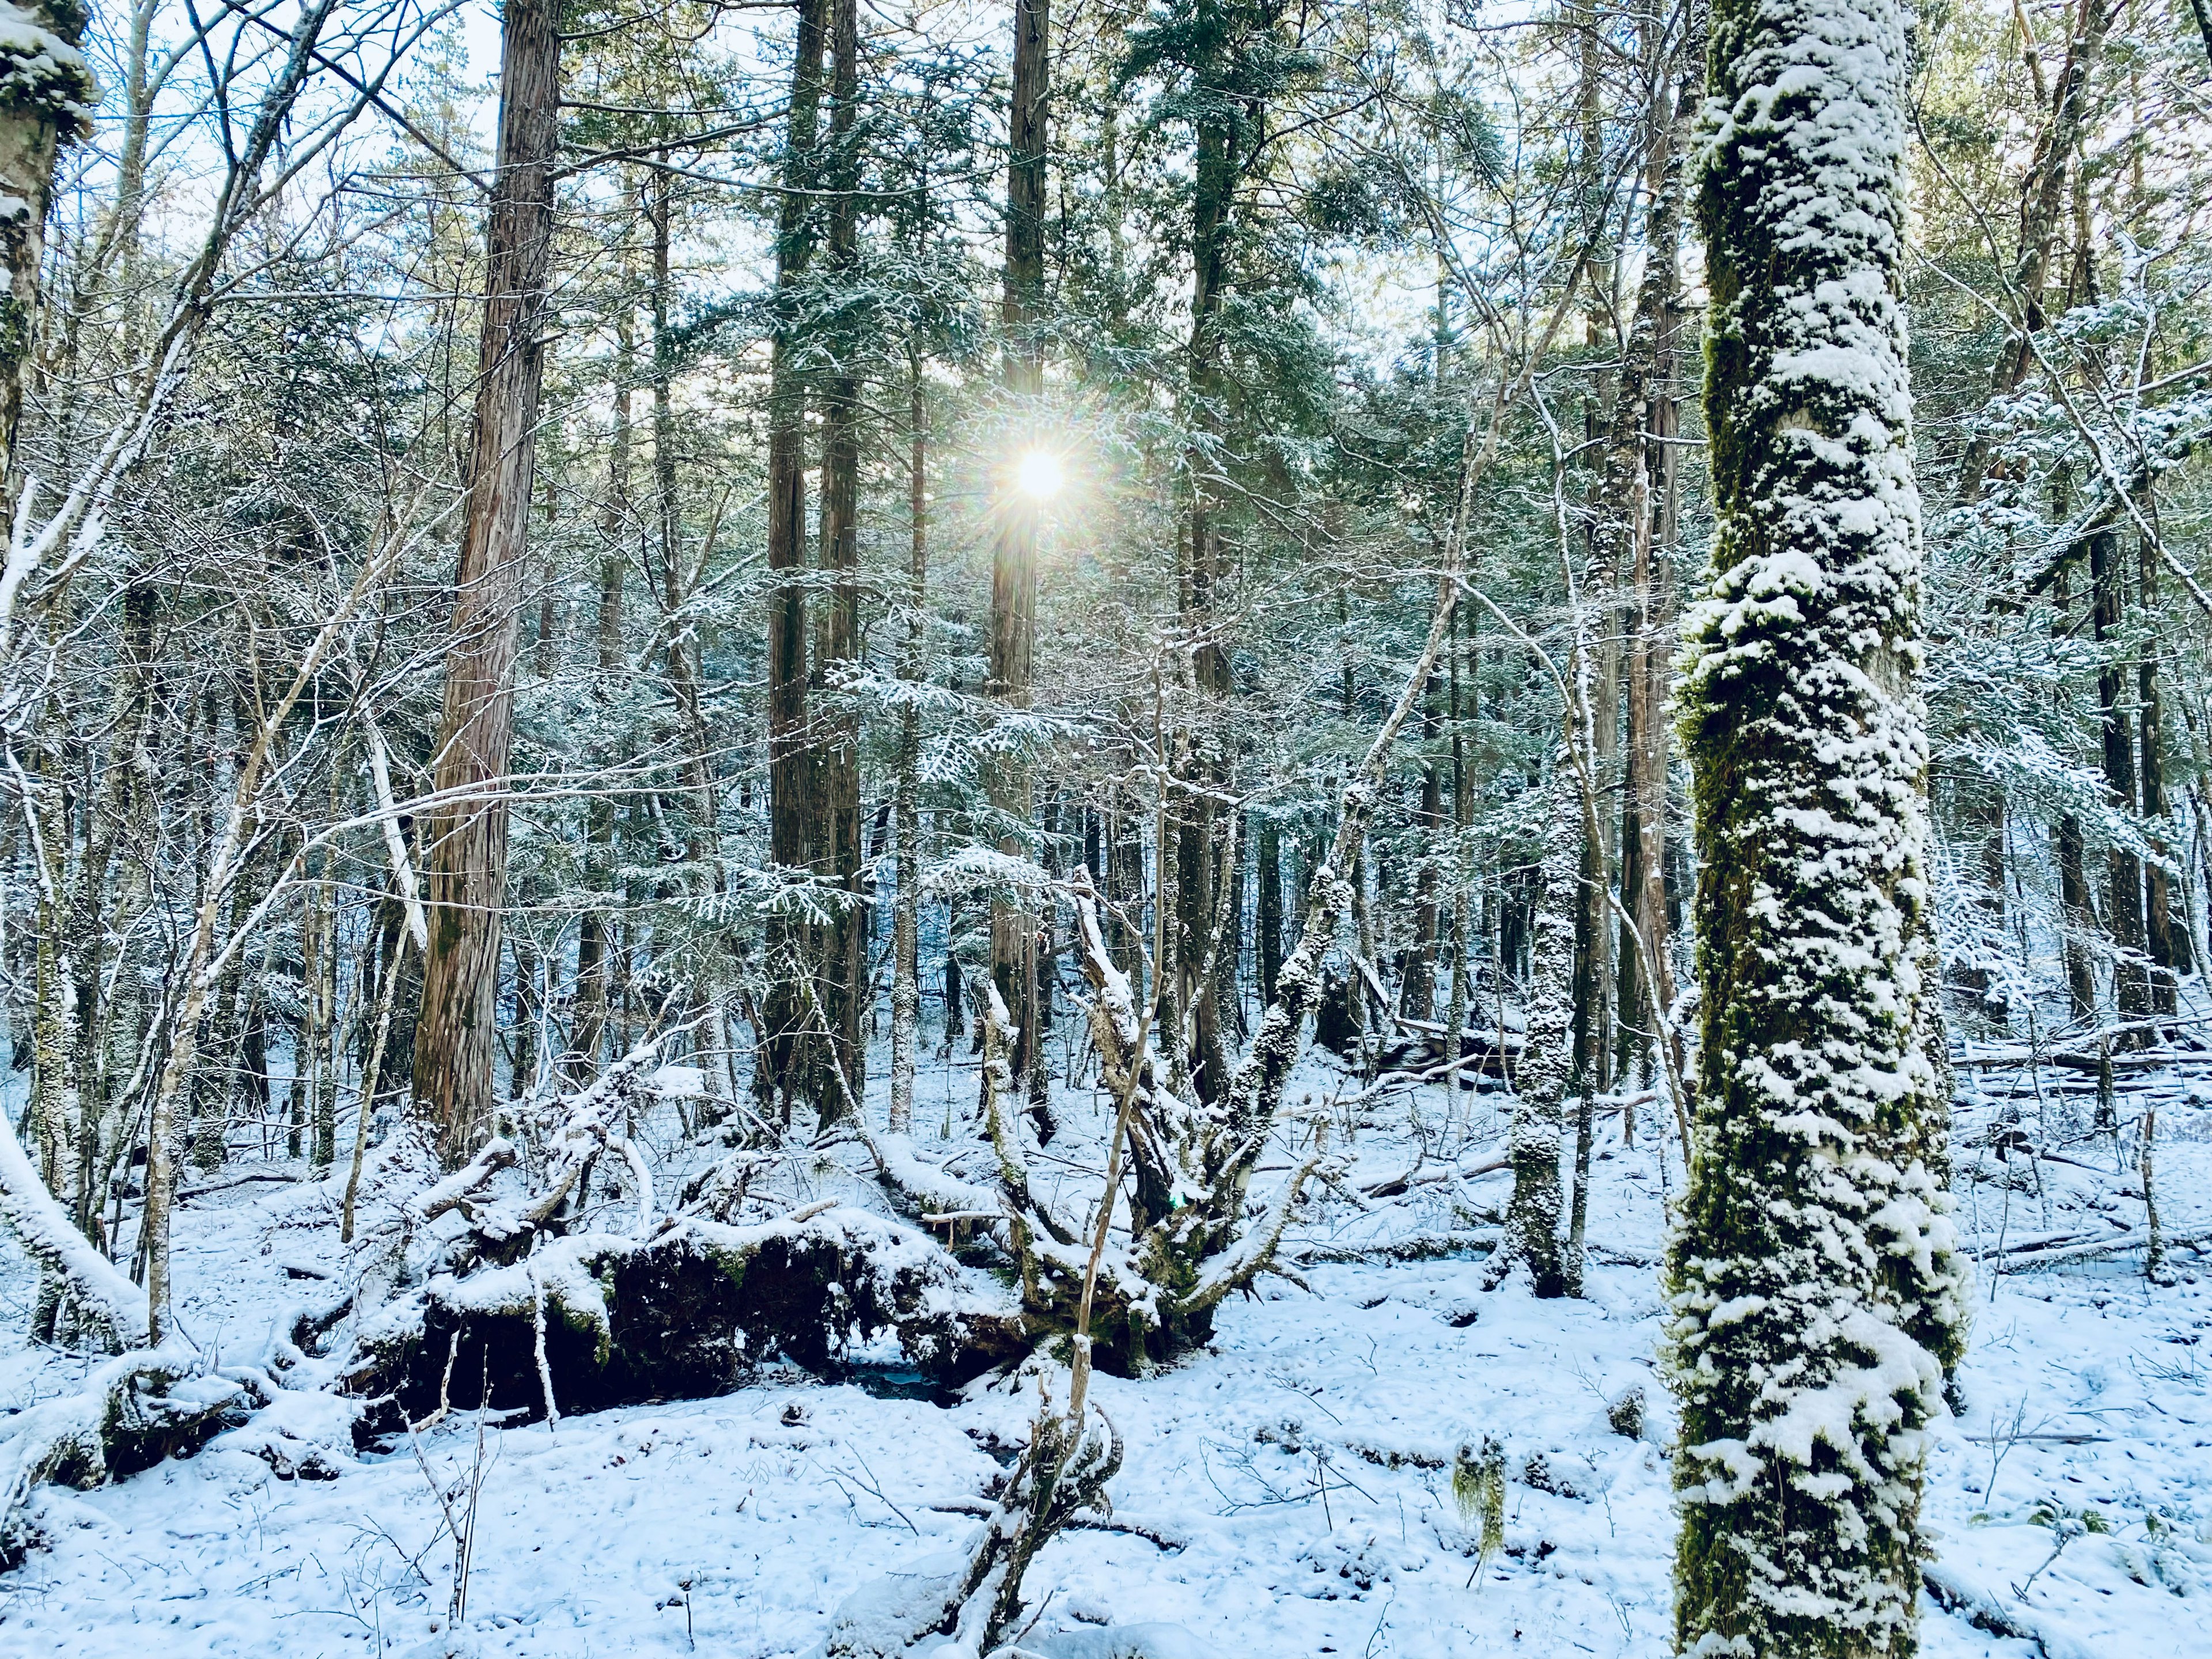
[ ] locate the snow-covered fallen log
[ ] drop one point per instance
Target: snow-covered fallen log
(129, 1413)
(595, 1320)
(92, 1286)
(1952, 1591)
(2020, 1258)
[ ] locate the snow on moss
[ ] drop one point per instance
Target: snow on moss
(1817, 1293)
(41, 70)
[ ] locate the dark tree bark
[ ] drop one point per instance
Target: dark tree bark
(2076, 919)
(1014, 966)
(1417, 996)
(1643, 479)
(914, 665)
(594, 963)
(842, 945)
(2123, 903)
(680, 652)
(47, 101)
(454, 1040)
(1224, 129)
(1270, 908)
(2165, 942)
(783, 1069)
(2041, 202)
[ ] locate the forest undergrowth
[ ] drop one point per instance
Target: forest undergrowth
(1312, 1481)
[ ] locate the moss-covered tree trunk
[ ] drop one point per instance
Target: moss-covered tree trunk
(47, 95)
(1817, 1299)
(1539, 1081)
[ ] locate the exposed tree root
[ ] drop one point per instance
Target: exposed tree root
(690, 1312)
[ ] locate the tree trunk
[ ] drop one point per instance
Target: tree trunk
(47, 101)
(781, 1064)
(1461, 994)
(307, 1035)
(1642, 477)
(1817, 1300)
(594, 964)
(467, 845)
(1014, 550)
(1223, 129)
(681, 651)
(324, 1081)
(843, 945)
(1270, 908)
(1539, 1081)
(1417, 997)
(2167, 943)
(906, 914)
(2075, 919)
(2123, 905)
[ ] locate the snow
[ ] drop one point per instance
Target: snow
(39, 68)
(1288, 1491)
(31, 1211)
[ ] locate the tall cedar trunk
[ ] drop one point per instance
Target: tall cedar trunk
(1600, 597)
(2167, 943)
(2041, 200)
(54, 1091)
(1014, 550)
(1125, 865)
(783, 1069)
(213, 1088)
(454, 1040)
(1228, 997)
(324, 1151)
(841, 941)
(594, 964)
(307, 1035)
(47, 100)
(123, 796)
(2123, 905)
(1817, 1299)
(1586, 1077)
(913, 662)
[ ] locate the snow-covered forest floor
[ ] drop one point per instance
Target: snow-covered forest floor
(1289, 1491)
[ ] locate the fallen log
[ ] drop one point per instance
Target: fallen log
(592, 1320)
(131, 1412)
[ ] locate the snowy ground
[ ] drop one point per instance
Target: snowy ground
(1288, 1492)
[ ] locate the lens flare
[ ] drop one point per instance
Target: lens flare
(1037, 475)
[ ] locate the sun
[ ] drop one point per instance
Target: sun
(1037, 475)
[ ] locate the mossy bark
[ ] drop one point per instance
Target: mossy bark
(1817, 1299)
